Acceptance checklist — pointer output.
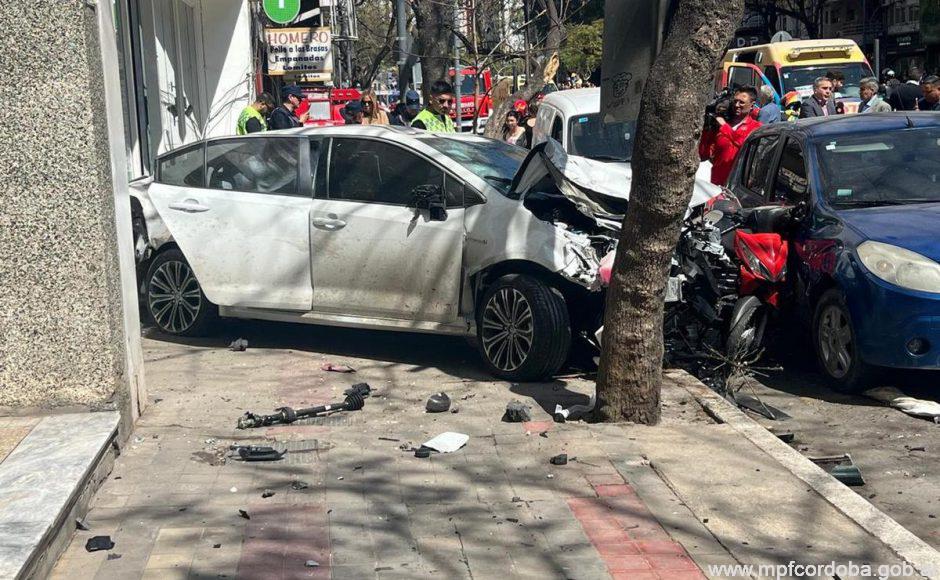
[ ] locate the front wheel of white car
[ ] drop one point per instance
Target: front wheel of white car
(175, 301)
(523, 329)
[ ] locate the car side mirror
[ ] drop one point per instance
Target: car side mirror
(431, 198)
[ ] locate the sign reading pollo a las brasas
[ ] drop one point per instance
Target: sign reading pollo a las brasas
(299, 50)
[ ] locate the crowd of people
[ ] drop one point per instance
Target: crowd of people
(748, 109)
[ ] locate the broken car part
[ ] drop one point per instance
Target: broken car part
(754, 404)
(560, 459)
(332, 368)
(98, 543)
(840, 467)
(516, 412)
(574, 411)
(257, 453)
(447, 442)
(910, 405)
(238, 345)
(438, 403)
(355, 400)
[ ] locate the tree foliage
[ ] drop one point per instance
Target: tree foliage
(809, 13)
(582, 49)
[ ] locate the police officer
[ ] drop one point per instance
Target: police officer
(436, 115)
(252, 118)
(284, 117)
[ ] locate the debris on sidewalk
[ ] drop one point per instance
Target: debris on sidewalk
(840, 467)
(312, 564)
(267, 493)
(298, 485)
(238, 345)
(422, 452)
(437, 403)
(390, 439)
(114, 556)
(355, 400)
(517, 412)
(332, 368)
(244, 514)
(468, 396)
(913, 407)
(560, 459)
(562, 414)
(447, 442)
(761, 408)
(98, 543)
(258, 452)
(81, 525)
(784, 435)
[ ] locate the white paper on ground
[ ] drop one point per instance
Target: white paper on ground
(447, 442)
(909, 405)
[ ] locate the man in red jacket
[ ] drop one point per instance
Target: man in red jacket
(721, 145)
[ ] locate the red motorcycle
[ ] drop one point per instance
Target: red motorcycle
(762, 251)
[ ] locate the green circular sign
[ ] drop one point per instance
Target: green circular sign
(282, 11)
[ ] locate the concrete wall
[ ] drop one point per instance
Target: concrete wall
(227, 67)
(62, 326)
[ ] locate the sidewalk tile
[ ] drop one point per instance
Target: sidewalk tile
(671, 562)
(660, 547)
(627, 563)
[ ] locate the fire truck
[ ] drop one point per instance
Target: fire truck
(325, 105)
(469, 103)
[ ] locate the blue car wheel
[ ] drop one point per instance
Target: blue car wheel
(836, 347)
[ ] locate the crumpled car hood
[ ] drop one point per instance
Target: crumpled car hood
(598, 189)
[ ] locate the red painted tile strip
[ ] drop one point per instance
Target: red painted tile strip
(628, 538)
(280, 538)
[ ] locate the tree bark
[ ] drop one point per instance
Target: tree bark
(434, 40)
(664, 163)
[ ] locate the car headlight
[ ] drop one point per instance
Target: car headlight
(900, 267)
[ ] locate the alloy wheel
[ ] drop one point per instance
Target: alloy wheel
(835, 341)
(507, 331)
(174, 296)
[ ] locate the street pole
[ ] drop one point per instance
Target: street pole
(525, 17)
(402, 49)
(457, 78)
(878, 58)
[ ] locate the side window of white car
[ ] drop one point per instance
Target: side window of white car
(183, 168)
(254, 165)
(557, 128)
(376, 172)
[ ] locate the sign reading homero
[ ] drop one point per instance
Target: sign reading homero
(299, 50)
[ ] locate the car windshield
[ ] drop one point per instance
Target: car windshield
(881, 168)
(801, 78)
(494, 161)
(590, 137)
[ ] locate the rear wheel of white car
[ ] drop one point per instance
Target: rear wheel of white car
(523, 329)
(175, 300)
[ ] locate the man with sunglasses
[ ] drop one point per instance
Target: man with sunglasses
(436, 116)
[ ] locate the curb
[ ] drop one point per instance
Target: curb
(916, 552)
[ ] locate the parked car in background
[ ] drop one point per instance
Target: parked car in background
(572, 118)
(865, 243)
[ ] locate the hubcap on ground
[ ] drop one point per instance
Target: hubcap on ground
(835, 340)
(507, 329)
(174, 297)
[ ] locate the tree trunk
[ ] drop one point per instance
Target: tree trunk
(434, 41)
(664, 162)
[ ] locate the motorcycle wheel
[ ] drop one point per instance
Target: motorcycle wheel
(746, 334)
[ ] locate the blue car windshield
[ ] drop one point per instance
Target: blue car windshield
(880, 168)
(494, 161)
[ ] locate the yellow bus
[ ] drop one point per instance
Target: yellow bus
(793, 66)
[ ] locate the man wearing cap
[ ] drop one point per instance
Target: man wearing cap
(352, 113)
(436, 116)
(405, 112)
(252, 118)
(284, 117)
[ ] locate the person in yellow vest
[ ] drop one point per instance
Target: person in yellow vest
(436, 114)
(252, 118)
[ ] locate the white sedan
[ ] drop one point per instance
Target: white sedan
(371, 227)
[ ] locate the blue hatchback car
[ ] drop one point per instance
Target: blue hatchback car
(864, 255)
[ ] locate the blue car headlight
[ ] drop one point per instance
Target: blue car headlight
(900, 267)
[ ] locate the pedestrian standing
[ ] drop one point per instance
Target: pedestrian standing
(905, 96)
(252, 117)
(353, 113)
(436, 115)
(930, 87)
(284, 116)
(721, 144)
(769, 109)
(871, 102)
(838, 81)
(372, 114)
(820, 104)
(406, 111)
(513, 131)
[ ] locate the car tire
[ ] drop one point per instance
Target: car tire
(748, 324)
(836, 348)
(523, 329)
(173, 297)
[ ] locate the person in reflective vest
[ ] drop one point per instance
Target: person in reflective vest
(252, 118)
(436, 114)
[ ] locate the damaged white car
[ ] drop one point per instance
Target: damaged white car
(382, 228)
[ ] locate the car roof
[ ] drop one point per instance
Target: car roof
(845, 124)
(573, 102)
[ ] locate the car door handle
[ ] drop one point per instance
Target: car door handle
(329, 224)
(189, 206)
